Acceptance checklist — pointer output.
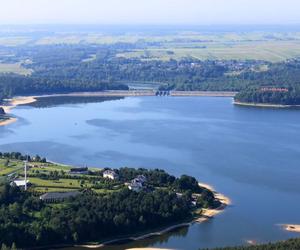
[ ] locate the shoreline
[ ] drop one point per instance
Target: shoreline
(128, 93)
(12, 103)
(295, 228)
(206, 214)
(264, 105)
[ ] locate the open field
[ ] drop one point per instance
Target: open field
(14, 68)
(273, 51)
(59, 184)
(268, 45)
(9, 167)
(14, 40)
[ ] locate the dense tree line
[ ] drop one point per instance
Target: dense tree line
(252, 95)
(11, 85)
(20, 156)
(27, 221)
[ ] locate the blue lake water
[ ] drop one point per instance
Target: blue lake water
(251, 155)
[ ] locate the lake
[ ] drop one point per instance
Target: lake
(251, 155)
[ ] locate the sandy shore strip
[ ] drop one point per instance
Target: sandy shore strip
(208, 213)
(264, 105)
(204, 93)
(124, 93)
(12, 104)
(295, 228)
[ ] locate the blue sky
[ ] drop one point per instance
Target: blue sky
(197, 12)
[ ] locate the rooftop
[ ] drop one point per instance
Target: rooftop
(59, 195)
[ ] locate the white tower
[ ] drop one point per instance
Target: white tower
(25, 174)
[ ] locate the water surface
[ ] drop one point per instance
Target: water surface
(251, 155)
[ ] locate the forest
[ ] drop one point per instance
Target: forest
(73, 68)
(291, 97)
(26, 221)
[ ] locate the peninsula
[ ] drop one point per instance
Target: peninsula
(77, 205)
(273, 97)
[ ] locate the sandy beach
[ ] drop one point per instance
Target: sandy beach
(291, 227)
(204, 93)
(264, 105)
(11, 105)
(208, 213)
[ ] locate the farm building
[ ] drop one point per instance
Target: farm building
(79, 170)
(58, 196)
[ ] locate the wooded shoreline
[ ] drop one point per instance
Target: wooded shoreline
(205, 215)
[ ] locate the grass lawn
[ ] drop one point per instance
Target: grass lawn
(13, 166)
(61, 183)
(53, 189)
(42, 185)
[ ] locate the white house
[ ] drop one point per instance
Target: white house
(110, 174)
(20, 183)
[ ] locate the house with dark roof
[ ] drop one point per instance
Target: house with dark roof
(141, 178)
(138, 183)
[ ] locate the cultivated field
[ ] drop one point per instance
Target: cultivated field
(14, 68)
(269, 46)
(273, 51)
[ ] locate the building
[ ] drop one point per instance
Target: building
(141, 178)
(20, 183)
(110, 174)
(138, 183)
(79, 170)
(58, 196)
(274, 89)
(135, 185)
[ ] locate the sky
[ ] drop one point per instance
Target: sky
(185, 12)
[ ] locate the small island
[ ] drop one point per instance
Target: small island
(45, 203)
(269, 97)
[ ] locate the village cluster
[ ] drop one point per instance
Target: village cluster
(136, 185)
